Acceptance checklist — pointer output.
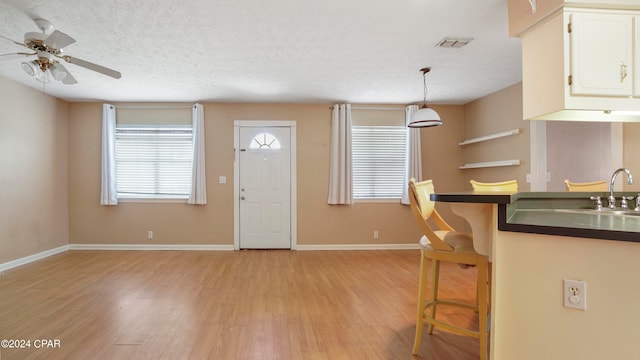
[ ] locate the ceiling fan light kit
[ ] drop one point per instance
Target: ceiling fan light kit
(425, 116)
(57, 73)
(44, 69)
(49, 44)
(43, 77)
(29, 67)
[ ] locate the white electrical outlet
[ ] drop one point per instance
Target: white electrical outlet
(375, 234)
(575, 294)
(149, 234)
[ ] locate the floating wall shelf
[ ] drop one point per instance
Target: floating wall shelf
(490, 164)
(490, 137)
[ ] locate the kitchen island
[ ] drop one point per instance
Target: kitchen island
(536, 244)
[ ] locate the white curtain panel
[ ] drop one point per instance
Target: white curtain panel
(108, 194)
(198, 194)
(413, 159)
(340, 172)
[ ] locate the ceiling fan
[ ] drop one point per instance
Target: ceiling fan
(47, 47)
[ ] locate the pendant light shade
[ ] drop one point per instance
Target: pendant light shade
(426, 116)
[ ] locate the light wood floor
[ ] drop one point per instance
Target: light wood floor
(227, 305)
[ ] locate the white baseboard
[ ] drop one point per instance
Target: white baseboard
(360, 247)
(31, 258)
(149, 247)
(230, 247)
(44, 254)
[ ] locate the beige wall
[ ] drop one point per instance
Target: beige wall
(441, 157)
(495, 113)
(33, 171)
(54, 125)
(179, 223)
(530, 321)
(76, 217)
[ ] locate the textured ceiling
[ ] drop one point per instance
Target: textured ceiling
(357, 51)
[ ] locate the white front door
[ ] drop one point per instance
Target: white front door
(264, 181)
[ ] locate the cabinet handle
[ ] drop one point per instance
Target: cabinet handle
(623, 71)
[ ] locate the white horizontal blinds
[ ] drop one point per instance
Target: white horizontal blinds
(154, 161)
(378, 161)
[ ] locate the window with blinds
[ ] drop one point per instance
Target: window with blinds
(378, 155)
(153, 161)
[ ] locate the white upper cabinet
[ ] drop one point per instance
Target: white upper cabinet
(582, 64)
(601, 54)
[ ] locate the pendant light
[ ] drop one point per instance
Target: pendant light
(425, 116)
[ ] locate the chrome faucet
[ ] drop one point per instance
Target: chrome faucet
(612, 199)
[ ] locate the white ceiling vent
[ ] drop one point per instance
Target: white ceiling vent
(451, 42)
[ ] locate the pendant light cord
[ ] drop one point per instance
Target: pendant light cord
(424, 81)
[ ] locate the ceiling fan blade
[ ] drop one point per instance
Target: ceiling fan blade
(58, 40)
(13, 56)
(67, 78)
(92, 66)
(13, 41)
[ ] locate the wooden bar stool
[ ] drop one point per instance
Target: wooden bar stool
(443, 243)
(587, 186)
(502, 186)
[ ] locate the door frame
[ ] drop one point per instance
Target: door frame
(237, 124)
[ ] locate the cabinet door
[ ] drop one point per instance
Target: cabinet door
(601, 54)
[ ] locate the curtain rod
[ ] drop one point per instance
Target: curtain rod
(154, 106)
(374, 108)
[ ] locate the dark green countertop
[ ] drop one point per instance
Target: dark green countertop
(544, 213)
(476, 197)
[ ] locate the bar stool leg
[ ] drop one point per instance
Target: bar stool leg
(422, 285)
(434, 290)
(489, 281)
(482, 309)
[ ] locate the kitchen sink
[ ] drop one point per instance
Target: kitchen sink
(609, 212)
